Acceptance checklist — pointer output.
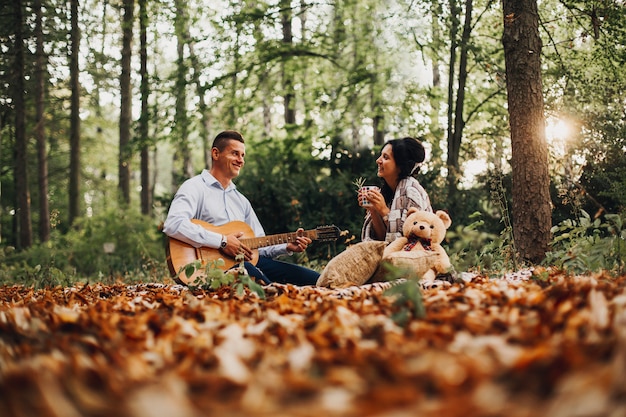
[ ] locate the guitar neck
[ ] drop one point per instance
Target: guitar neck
(180, 254)
(263, 241)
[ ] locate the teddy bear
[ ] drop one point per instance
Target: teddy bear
(419, 248)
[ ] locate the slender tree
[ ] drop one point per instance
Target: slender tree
(2, 124)
(203, 109)
(264, 75)
(432, 51)
(305, 75)
(378, 113)
(288, 90)
(182, 153)
(455, 137)
(74, 191)
(452, 62)
(531, 210)
(146, 195)
(236, 29)
(24, 226)
(42, 155)
(126, 101)
(205, 125)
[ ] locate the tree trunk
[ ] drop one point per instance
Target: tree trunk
(182, 120)
(288, 91)
(42, 156)
(454, 29)
(126, 102)
(25, 237)
(2, 124)
(378, 114)
(304, 30)
(531, 210)
(231, 105)
(205, 114)
(454, 143)
(379, 133)
(266, 89)
(74, 191)
(146, 195)
(435, 97)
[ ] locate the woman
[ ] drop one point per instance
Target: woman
(399, 160)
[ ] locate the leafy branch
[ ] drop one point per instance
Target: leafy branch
(213, 277)
(359, 183)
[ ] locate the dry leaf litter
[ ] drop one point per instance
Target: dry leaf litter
(514, 346)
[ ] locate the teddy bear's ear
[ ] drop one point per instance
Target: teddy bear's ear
(445, 218)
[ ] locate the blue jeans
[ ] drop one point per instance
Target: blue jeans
(269, 270)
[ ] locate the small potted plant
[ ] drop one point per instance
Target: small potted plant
(362, 190)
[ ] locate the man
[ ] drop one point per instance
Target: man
(212, 197)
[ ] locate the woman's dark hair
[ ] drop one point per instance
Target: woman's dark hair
(407, 152)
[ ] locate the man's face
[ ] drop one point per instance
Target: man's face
(231, 159)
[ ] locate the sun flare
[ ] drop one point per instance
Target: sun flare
(558, 133)
(557, 130)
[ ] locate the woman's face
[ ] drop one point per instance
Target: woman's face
(387, 168)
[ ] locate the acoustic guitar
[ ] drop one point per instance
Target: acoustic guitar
(180, 254)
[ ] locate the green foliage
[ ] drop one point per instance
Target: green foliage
(135, 249)
(37, 276)
(604, 176)
(481, 245)
(136, 239)
(589, 245)
(346, 72)
(359, 183)
(474, 249)
(212, 277)
(408, 300)
(289, 189)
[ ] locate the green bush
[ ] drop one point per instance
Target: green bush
(472, 249)
(589, 245)
(289, 189)
(114, 245)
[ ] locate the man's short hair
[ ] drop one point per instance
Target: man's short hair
(221, 140)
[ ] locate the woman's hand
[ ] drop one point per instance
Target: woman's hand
(377, 202)
(300, 244)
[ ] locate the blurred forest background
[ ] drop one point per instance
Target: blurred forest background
(106, 106)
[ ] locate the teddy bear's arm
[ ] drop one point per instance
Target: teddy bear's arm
(443, 264)
(395, 246)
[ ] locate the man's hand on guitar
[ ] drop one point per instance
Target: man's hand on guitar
(301, 242)
(180, 254)
(235, 247)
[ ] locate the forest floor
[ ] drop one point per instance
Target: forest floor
(554, 347)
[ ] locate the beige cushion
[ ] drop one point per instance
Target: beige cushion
(420, 264)
(354, 266)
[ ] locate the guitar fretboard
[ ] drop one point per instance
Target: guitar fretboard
(260, 242)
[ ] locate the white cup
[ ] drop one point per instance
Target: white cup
(363, 195)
